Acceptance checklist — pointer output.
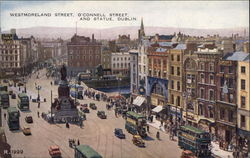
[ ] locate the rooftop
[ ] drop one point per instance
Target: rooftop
(161, 49)
(88, 151)
(193, 129)
(236, 56)
(12, 109)
(181, 46)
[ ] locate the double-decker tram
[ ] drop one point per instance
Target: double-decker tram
(195, 140)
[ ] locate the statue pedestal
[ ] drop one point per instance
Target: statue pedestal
(64, 109)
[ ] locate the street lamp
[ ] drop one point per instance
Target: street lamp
(38, 94)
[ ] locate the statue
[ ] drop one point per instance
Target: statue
(63, 72)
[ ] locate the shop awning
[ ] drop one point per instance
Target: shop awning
(157, 109)
(138, 100)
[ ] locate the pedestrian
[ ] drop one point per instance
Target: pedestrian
(38, 114)
(51, 83)
(158, 135)
(148, 128)
(30, 97)
(161, 122)
(38, 104)
(78, 142)
(5, 116)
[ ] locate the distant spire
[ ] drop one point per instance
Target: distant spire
(142, 26)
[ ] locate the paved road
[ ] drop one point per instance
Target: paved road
(96, 132)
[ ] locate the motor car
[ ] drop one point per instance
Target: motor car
(119, 133)
(10, 92)
(29, 119)
(20, 84)
(5, 81)
(101, 114)
(92, 106)
(54, 151)
(84, 105)
(26, 131)
(13, 96)
(188, 154)
(85, 109)
(137, 140)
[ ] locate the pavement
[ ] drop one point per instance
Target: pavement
(97, 133)
(215, 146)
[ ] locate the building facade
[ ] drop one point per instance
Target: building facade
(243, 101)
(190, 76)
(158, 75)
(175, 100)
(84, 54)
(13, 55)
(120, 64)
(134, 85)
(226, 102)
(208, 57)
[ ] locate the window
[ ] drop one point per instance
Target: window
(230, 69)
(172, 70)
(172, 99)
(230, 84)
(222, 95)
(222, 69)
(211, 67)
(222, 114)
(202, 92)
(211, 79)
(242, 121)
(200, 109)
(178, 100)
(172, 57)
(211, 94)
(202, 78)
(230, 116)
(172, 84)
(243, 101)
(243, 84)
(178, 71)
(243, 69)
(221, 81)
(231, 98)
(202, 66)
(211, 111)
(178, 58)
(178, 86)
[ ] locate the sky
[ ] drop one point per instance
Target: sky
(179, 14)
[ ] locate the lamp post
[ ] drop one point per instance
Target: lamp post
(38, 94)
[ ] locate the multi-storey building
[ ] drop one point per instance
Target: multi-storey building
(134, 85)
(190, 75)
(243, 100)
(226, 104)
(12, 55)
(106, 60)
(208, 57)
(120, 64)
(175, 87)
(84, 54)
(158, 75)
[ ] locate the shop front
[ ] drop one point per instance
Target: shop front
(190, 118)
(175, 113)
(206, 124)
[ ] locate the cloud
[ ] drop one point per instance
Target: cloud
(189, 14)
